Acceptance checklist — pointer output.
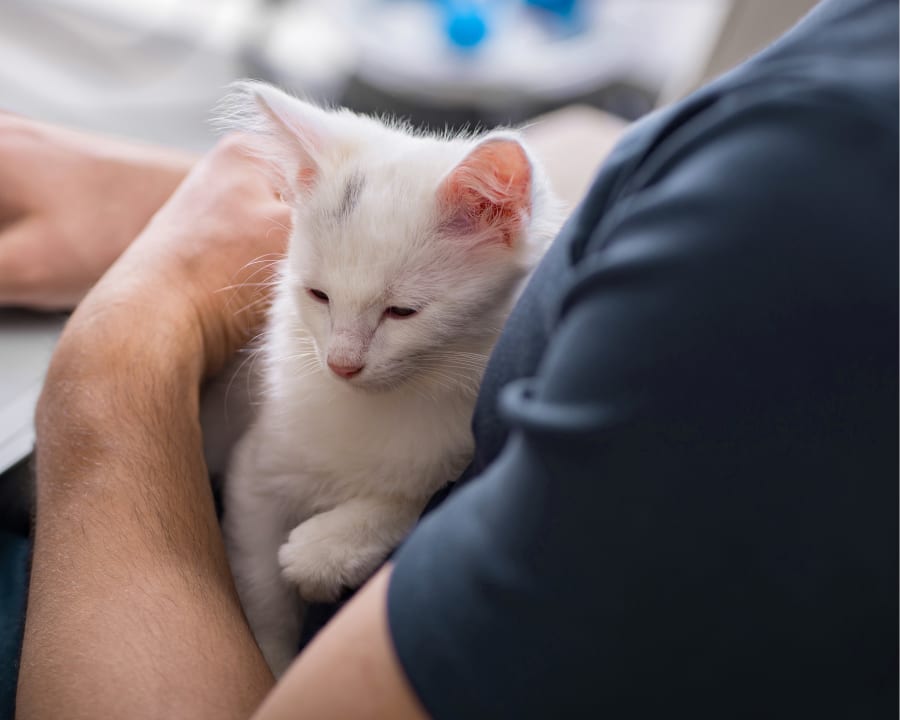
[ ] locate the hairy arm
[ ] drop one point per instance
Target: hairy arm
(132, 612)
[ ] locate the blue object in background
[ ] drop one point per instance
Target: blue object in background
(563, 8)
(466, 22)
(13, 575)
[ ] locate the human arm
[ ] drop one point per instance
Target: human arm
(131, 606)
(70, 202)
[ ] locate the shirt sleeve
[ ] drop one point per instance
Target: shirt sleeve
(696, 508)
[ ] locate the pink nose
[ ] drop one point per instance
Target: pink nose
(345, 371)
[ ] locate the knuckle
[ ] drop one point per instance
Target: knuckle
(230, 169)
(231, 147)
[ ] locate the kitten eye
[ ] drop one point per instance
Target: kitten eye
(318, 295)
(399, 312)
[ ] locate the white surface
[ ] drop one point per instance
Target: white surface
(152, 73)
(26, 342)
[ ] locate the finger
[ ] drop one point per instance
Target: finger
(24, 270)
(23, 163)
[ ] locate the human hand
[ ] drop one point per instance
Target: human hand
(70, 203)
(195, 282)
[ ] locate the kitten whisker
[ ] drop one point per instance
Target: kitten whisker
(252, 354)
(278, 223)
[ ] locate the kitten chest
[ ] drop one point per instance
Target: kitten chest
(331, 451)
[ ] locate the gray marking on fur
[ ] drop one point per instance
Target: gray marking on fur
(351, 195)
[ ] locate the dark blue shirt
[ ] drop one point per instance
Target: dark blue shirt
(685, 487)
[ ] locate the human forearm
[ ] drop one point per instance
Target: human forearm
(130, 588)
(132, 612)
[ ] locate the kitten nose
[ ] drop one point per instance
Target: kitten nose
(345, 371)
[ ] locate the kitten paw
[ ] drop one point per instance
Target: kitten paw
(316, 564)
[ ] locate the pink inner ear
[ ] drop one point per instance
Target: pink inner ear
(306, 177)
(488, 195)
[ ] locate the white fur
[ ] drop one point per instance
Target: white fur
(333, 473)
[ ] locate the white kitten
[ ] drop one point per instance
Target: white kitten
(406, 254)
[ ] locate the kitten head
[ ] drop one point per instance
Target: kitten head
(407, 250)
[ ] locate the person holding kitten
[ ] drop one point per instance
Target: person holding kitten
(684, 486)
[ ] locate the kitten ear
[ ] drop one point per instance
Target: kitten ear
(487, 196)
(286, 132)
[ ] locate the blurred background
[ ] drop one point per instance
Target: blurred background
(153, 69)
